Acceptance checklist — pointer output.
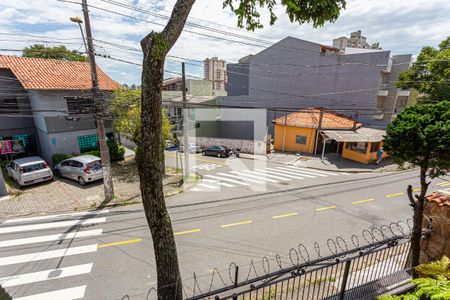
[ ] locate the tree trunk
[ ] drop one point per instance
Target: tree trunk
(155, 47)
(418, 205)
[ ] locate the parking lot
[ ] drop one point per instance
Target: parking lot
(63, 194)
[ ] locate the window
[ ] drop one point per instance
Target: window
(374, 147)
(79, 105)
(88, 142)
(360, 147)
(300, 139)
(9, 106)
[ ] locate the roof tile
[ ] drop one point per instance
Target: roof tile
(311, 117)
(53, 74)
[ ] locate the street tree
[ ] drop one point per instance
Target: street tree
(58, 52)
(420, 135)
(430, 73)
(155, 46)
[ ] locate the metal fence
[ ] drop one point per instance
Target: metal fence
(352, 274)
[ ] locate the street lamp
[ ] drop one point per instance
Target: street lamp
(79, 21)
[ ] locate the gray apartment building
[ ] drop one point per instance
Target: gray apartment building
(40, 105)
(294, 74)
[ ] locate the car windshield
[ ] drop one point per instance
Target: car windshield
(32, 168)
(96, 164)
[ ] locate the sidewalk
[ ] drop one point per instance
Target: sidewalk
(331, 162)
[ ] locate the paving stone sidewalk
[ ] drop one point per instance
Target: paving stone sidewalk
(63, 195)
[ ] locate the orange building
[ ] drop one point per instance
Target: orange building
(321, 131)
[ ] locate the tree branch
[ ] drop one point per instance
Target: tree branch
(410, 196)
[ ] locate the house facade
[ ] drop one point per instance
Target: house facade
(44, 104)
(295, 73)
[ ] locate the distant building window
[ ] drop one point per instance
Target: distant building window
(360, 147)
(300, 139)
(9, 106)
(79, 105)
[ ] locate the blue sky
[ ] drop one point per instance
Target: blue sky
(402, 26)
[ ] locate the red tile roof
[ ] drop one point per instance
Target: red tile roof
(310, 118)
(440, 198)
(53, 74)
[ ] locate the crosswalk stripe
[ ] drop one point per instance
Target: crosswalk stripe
(218, 182)
(50, 238)
(315, 171)
(264, 173)
(307, 171)
(242, 178)
(298, 172)
(208, 186)
(51, 225)
(268, 170)
(78, 214)
(226, 179)
(18, 259)
(66, 294)
(260, 177)
(283, 172)
(20, 279)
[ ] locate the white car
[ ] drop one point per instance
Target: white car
(29, 170)
(192, 148)
(84, 169)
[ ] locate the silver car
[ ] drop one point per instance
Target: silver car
(84, 168)
(29, 170)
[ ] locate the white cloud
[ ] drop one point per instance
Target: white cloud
(402, 26)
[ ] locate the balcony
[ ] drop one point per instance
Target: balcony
(403, 93)
(383, 89)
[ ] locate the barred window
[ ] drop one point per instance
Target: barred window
(300, 139)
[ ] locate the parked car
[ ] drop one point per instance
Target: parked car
(29, 170)
(84, 168)
(192, 148)
(170, 146)
(219, 151)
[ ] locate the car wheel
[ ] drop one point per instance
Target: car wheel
(203, 153)
(58, 174)
(218, 155)
(81, 181)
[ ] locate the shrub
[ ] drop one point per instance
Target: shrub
(59, 157)
(116, 152)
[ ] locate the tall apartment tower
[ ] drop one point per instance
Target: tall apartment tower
(216, 71)
(356, 40)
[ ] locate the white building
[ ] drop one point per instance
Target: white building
(215, 70)
(356, 40)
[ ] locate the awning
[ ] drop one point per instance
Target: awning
(359, 135)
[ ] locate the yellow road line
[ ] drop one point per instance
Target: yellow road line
(363, 201)
(326, 207)
(394, 195)
(119, 243)
(417, 189)
(285, 215)
(187, 231)
(443, 183)
(236, 224)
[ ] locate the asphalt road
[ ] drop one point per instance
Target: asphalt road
(108, 254)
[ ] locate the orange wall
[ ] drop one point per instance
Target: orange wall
(366, 158)
(290, 144)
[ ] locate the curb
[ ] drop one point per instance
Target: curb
(330, 170)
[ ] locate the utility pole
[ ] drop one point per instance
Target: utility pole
(185, 125)
(104, 150)
(319, 127)
(3, 190)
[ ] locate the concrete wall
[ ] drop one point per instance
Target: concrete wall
(293, 74)
(246, 146)
(199, 87)
(238, 80)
